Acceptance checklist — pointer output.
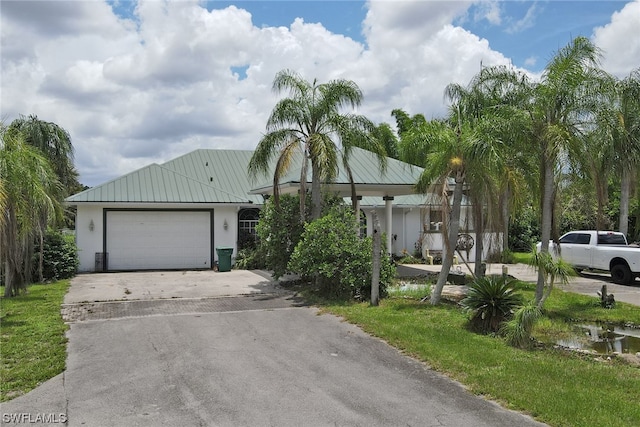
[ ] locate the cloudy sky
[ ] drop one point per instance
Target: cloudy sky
(137, 82)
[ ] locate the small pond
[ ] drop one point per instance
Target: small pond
(604, 339)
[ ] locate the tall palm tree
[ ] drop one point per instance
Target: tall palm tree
(557, 108)
(29, 194)
(309, 125)
(623, 123)
(442, 149)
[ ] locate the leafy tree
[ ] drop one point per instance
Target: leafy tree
(340, 261)
(310, 126)
(30, 194)
(524, 230)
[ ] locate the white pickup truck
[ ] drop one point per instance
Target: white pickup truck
(599, 250)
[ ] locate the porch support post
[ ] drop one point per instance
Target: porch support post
(388, 218)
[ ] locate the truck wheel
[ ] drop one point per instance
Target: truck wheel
(621, 274)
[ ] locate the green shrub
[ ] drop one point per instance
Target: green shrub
(491, 300)
(60, 257)
(339, 261)
(250, 259)
(279, 230)
(524, 231)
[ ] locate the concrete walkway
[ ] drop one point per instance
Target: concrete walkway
(586, 283)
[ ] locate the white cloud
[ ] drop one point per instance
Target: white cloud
(531, 61)
(489, 10)
(620, 40)
(132, 92)
(527, 21)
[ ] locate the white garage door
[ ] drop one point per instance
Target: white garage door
(139, 240)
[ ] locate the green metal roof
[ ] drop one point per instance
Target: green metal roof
(398, 177)
(220, 176)
(223, 169)
(203, 176)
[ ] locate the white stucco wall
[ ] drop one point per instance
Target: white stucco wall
(225, 237)
(90, 241)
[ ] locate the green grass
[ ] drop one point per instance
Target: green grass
(409, 290)
(521, 257)
(556, 387)
(32, 338)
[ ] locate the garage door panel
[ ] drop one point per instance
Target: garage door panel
(141, 240)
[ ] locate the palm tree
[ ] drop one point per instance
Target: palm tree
(55, 144)
(557, 108)
(310, 126)
(623, 124)
(29, 193)
(385, 135)
(444, 149)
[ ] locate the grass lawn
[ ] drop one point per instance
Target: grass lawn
(32, 338)
(557, 387)
(521, 257)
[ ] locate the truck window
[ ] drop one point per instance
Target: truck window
(611, 239)
(576, 238)
(569, 238)
(583, 239)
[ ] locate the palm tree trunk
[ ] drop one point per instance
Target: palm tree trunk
(625, 190)
(303, 189)
(478, 219)
(602, 197)
(8, 280)
(316, 194)
(41, 257)
(454, 228)
(505, 218)
(547, 217)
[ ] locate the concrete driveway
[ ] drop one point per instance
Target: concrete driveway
(249, 360)
(151, 285)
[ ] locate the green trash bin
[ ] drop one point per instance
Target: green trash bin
(224, 258)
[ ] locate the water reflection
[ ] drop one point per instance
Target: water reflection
(604, 339)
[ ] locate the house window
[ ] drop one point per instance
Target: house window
(435, 219)
(247, 222)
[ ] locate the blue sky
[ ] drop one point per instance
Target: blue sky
(528, 32)
(137, 82)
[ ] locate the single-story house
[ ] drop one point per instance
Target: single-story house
(175, 215)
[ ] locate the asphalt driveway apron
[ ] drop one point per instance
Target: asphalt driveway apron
(259, 359)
